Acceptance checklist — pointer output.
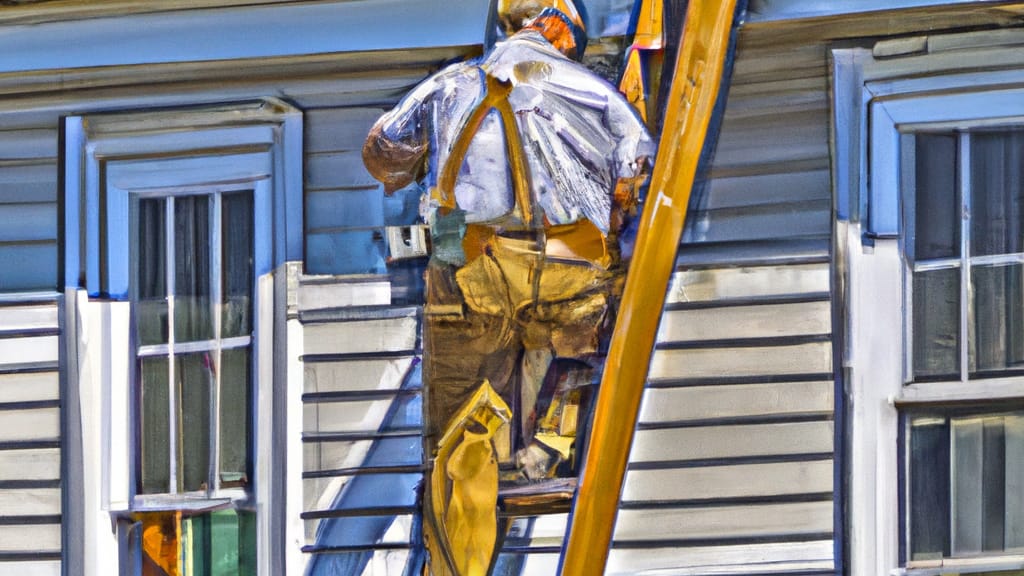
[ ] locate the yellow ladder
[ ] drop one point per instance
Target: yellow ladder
(691, 102)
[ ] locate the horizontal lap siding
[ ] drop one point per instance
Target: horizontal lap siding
(28, 209)
(30, 428)
(345, 205)
(733, 460)
(362, 455)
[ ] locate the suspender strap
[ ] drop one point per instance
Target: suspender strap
(495, 98)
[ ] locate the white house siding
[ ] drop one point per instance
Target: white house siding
(733, 461)
(30, 438)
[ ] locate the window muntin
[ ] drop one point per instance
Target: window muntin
(966, 249)
(194, 297)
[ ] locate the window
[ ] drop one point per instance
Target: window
(966, 484)
(965, 247)
(194, 329)
(178, 225)
(929, 156)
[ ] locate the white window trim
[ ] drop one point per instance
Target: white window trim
(255, 145)
(876, 101)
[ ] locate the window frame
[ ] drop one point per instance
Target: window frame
(109, 161)
(877, 101)
(215, 494)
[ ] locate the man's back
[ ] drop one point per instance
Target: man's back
(579, 136)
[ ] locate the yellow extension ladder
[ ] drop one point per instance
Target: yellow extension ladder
(696, 80)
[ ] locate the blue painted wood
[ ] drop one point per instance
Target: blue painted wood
(329, 130)
(27, 267)
(288, 179)
(173, 172)
(338, 169)
(883, 194)
(37, 183)
(28, 222)
(246, 32)
(182, 159)
(776, 10)
(352, 252)
(28, 144)
(74, 143)
(888, 117)
(344, 208)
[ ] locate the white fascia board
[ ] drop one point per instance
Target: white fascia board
(778, 10)
(243, 32)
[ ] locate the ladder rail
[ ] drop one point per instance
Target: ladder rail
(697, 78)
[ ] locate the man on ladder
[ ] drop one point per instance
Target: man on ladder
(532, 165)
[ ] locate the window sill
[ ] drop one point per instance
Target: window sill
(195, 503)
(960, 393)
(948, 566)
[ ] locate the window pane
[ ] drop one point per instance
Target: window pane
(154, 424)
(151, 308)
(929, 488)
(937, 324)
(220, 543)
(235, 402)
(997, 323)
(192, 269)
(936, 198)
(237, 225)
(967, 460)
(195, 375)
(997, 192)
(966, 491)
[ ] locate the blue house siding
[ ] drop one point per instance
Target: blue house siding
(28, 209)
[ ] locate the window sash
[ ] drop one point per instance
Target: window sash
(174, 350)
(972, 362)
(963, 491)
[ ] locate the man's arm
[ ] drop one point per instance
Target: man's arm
(395, 162)
(397, 145)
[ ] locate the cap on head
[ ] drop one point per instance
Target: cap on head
(563, 22)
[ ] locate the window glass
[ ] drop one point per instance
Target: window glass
(192, 318)
(966, 494)
(155, 426)
(151, 306)
(997, 313)
(235, 400)
(195, 375)
(929, 488)
(219, 543)
(936, 198)
(997, 192)
(237, 223)
(936, 318)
